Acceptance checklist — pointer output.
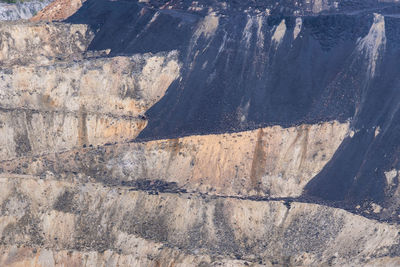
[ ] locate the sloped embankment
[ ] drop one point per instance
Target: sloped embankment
(233, 140)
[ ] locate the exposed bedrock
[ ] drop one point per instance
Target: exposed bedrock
(244, 67)
(50, 103)
(115, 85)
(20, 9)
(32, 132)
(73, 104)
(41, 43)
(272, 162)
(58, 10)
(86, 218)
(201, 133)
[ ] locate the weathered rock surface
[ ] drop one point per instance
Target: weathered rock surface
(85, 217)
(21, 9)
(58, 10)
(32, 132)
(270, 162)
(50, 82)
(201, 133)
(87, 102)
(25, 43)
(116, 85)
(245, 67)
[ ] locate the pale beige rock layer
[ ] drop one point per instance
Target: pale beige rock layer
(117, 85)
(27, 132)
(272, 161)
(74, 191)
(90, 219)
(91, 102)
(42, 43)
(155, 255)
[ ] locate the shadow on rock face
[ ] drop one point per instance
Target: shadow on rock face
(244, 70)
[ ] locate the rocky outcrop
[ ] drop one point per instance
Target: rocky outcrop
(115, 85)
(245, 67)
(24, 43)
(21, 9)
(58, 10)
(91, 101)
(88, 223)
(200, 133)
(270, 162)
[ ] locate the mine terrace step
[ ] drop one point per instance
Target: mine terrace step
(41, 43)
(64, 215)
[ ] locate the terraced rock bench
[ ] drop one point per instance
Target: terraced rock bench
(176, 134)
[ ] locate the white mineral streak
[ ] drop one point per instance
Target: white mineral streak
(297, 28)
(390, 175)
(260, 33)
(279, 33)
(248, 31)
(208, 26)
(206, 29)
(374, 43)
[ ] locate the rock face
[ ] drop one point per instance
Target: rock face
(271, 162)
(89, 224)
(201, 133)
(246, 67)
(21, 9)
(87, 101)
(58, 10)
(23, 43)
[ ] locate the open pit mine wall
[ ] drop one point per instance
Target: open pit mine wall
(47, 82)
(48, 221)
(204, 133)
(245, 68)
(21, 9)
(58, 10)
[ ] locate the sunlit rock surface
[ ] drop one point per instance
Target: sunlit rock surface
(21, 9)
(24, 43)
(58, 10)
(88, 102)
(201, 133)
(65, 220)
(270, 162)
